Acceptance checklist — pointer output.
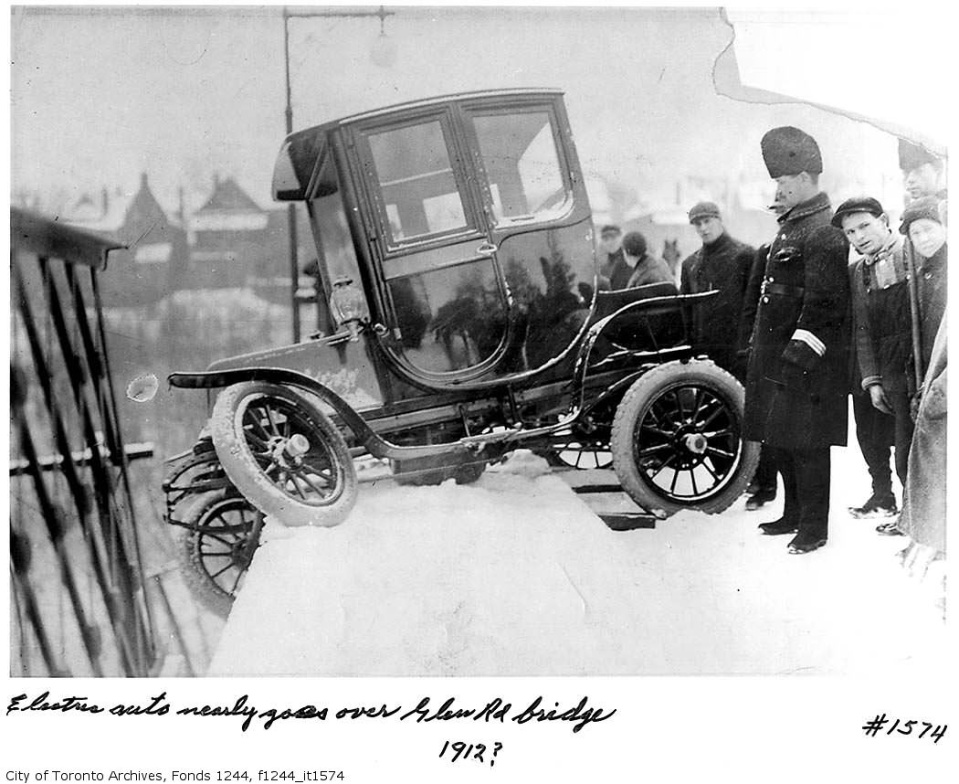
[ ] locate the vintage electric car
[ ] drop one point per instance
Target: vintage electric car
(463, 317)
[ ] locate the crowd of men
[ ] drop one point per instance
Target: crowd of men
(838, 302)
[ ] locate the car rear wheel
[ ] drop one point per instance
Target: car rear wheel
(573, 450)
(677, 439)
(284, 454)
(216, 550)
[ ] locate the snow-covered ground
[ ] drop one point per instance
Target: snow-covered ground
(516, 575)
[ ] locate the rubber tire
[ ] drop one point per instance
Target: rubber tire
(259, 489)
(640, 395)
(191, 512)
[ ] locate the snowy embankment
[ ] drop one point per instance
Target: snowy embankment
(515, 575)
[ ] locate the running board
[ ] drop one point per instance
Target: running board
(586, 489)
(628, 521)
(618, 521)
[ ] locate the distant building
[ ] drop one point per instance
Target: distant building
(227, 237)
(229, 242)
(157, 252)
(236, 243)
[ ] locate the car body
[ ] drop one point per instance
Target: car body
(461, 316)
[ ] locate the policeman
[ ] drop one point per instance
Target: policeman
(797, 376)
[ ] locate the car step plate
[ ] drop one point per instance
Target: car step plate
(628, 521)
(617, 521)
(589, 489)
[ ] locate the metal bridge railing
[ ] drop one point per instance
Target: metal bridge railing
(83, 603)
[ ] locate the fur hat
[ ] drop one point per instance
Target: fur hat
(789, 151)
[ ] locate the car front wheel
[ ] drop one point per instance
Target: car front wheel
(677, 439)
(284, 454)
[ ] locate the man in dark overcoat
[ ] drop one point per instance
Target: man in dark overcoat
(722, 265)
(798, 374)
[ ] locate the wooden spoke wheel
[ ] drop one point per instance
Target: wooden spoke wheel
(581, 452)
(284, 454)
(216, 551)
(677, 441)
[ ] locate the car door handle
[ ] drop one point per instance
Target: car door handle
(486, 249)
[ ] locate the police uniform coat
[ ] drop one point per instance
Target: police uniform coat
(798, 374)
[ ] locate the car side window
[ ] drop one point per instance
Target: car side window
(522, 164)
(416, 181)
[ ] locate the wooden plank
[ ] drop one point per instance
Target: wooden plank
(629, 521)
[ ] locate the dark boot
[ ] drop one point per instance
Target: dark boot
(762, 489)
(878, 505)
(890, 529)
(759, 498)
(789, 522)
(779, 527)
(805, 544)
(812, 489)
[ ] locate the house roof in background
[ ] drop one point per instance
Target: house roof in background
(228, 196)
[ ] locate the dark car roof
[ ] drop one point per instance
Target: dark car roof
(424, 103)
(301, 149)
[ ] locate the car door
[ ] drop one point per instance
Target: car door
(539, 220)
(443, 291)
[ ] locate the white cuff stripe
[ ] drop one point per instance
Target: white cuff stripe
(810, 340)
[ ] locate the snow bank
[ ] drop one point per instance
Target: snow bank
(515, 575)
(507, 576)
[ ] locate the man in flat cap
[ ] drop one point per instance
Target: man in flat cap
(797, 377)
(882, 338)
(922, 171)
(722, 265)
(613, 270)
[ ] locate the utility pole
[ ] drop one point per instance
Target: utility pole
(381, 13)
